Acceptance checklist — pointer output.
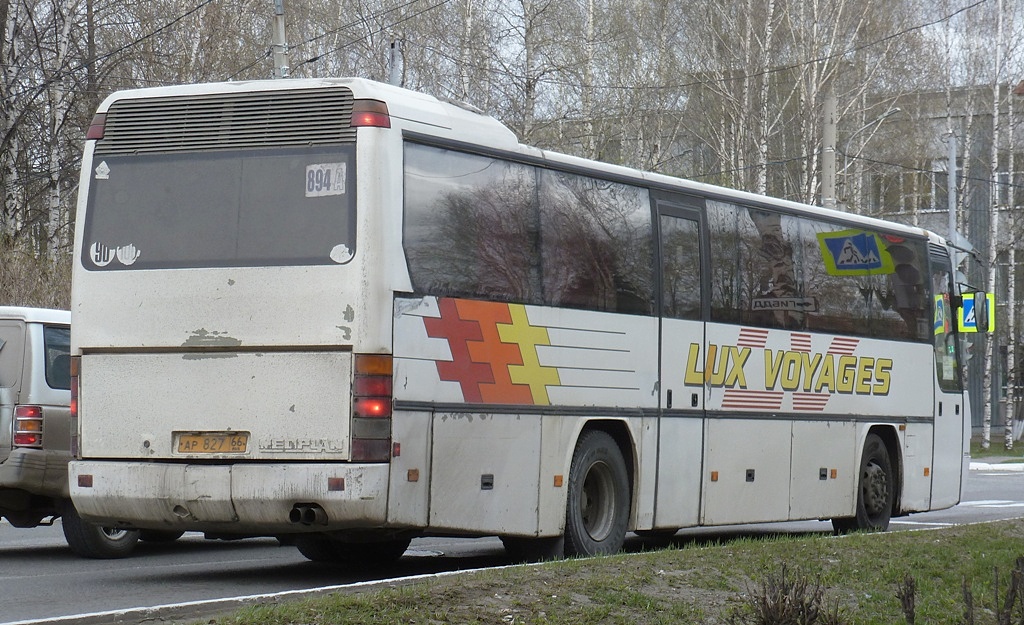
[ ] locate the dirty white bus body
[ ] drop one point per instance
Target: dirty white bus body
(347, 314)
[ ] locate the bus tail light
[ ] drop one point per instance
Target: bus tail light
(76, 364)
(371, 408)
(28, 426)
(370, 113)
(97, 127)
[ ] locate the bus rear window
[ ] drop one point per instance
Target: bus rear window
(269, 207)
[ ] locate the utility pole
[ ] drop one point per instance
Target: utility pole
(396, 63)
(280, 43)
(951, 188)
(828, 153)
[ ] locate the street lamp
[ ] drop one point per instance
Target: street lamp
(846, 146)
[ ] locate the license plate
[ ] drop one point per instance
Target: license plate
(213, 443)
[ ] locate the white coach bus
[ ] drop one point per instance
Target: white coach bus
(346, 314)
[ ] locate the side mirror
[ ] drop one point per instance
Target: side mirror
(981, 311)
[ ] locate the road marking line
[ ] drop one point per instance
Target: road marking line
(993, 503)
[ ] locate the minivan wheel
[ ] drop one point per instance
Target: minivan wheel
(93, 541)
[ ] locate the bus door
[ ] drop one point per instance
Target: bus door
(684, 307)
(951, 433)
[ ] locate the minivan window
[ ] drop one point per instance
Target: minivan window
(57, 345)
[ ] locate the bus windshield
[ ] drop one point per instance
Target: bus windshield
(268, 207)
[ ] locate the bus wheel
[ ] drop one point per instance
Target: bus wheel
(533, 549)
(93, 541)
(160, 536)
(316, 548)
(875, 490)
(597, 508)
(659, 538)
(369, 554)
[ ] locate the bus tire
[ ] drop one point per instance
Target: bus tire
(659, 538)
(598, 501)
(875, 490)
(315, 548)
(366, 555)
(93, 541)
(533, 549)
(160, 536)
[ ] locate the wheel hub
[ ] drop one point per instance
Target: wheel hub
(876, 489)
(597, 502)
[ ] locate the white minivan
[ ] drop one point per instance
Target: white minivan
(35, 432)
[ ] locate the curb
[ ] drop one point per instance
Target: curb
(1009, 466)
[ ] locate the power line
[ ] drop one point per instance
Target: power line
(266, 55)
(355, 23)
(988, 181)
(339, 29)
(773, 70)
(378, 31)
(382, 13)
(65, 73)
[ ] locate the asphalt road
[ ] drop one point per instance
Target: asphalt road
(42, 581)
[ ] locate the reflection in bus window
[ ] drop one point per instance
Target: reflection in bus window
(471, 226)
(756, 270)
(782, 271)
(596, 251)
(485, 228)
(680, 282)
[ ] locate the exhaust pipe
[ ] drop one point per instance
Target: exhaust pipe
(314, 515)
(307, 514)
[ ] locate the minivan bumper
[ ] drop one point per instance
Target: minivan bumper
(38, 471)
(243, 499)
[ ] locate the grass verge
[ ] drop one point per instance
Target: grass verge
(997, 449)
(861, 574)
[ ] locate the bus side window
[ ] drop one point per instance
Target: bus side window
(680, 251)
(596, 249)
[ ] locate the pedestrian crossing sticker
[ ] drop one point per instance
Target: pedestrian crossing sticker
(968, 322)
(854, 253)
(943, 323)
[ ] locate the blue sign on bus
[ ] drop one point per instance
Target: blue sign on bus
(967, 320)
(853, 252)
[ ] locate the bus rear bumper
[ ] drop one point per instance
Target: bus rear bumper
(244, 499)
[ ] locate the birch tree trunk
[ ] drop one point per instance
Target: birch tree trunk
(9, 147)
(587, 88)
(1011, 338)
(764, 111)
(993, 225)
(1011, 286)
(464, 49)
(59, 104)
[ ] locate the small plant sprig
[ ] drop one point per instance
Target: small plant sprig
(787, 600)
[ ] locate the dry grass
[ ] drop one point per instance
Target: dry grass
(861, 578)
